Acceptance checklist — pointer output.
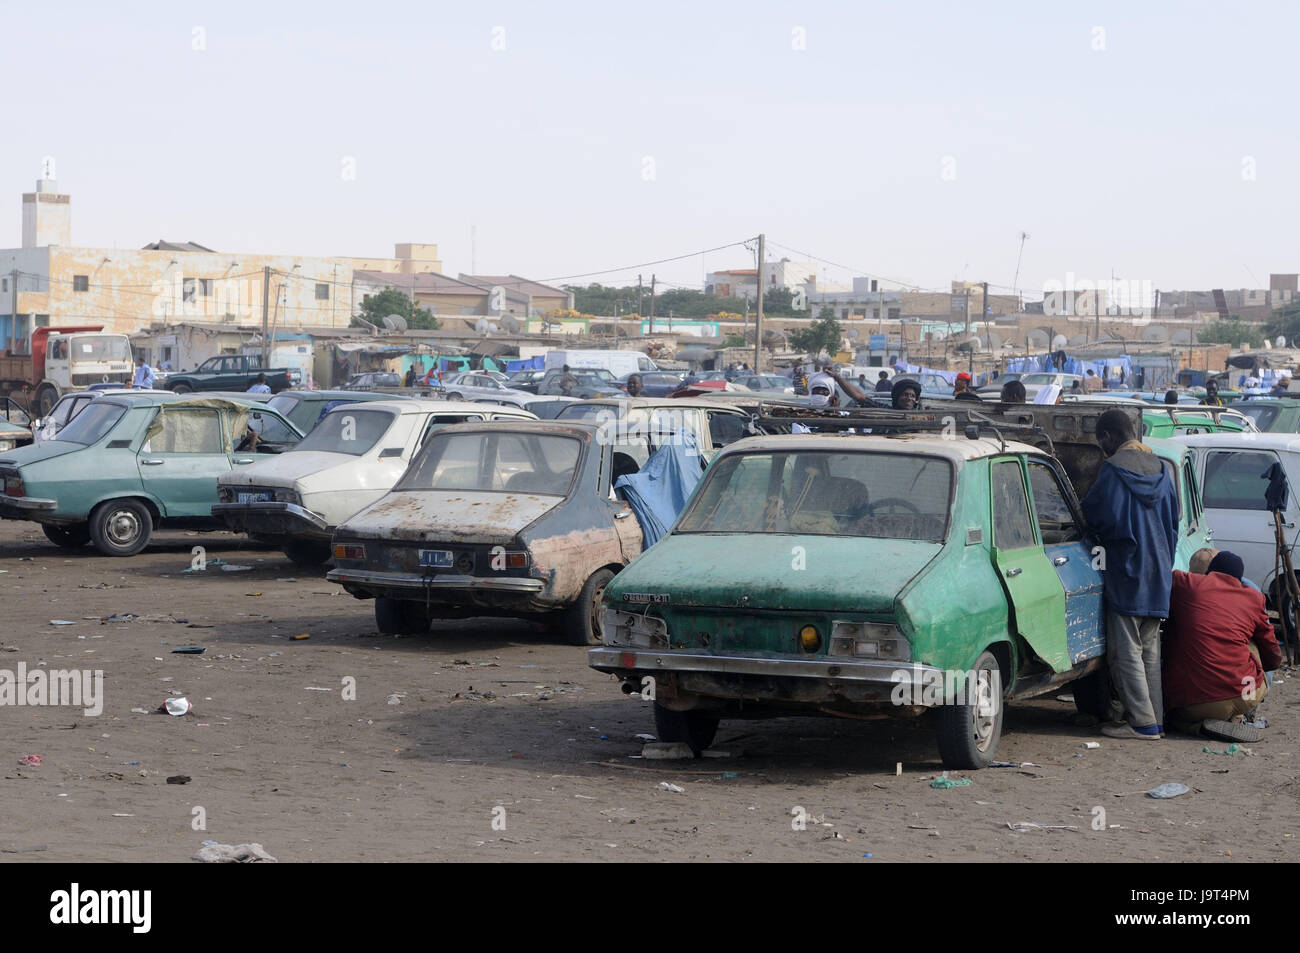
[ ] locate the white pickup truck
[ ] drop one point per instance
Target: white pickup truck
(348, 461)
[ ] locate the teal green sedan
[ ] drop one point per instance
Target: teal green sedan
(131, 463)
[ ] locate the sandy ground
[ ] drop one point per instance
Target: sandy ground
(488, 714)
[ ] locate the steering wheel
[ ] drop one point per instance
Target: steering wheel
(897, 501)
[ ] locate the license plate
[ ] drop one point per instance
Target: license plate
(436, 558)
(255, 498)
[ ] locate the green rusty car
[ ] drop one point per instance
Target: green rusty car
(130, 463)
(914, 573)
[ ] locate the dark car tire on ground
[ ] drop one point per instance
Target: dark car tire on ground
(455, 396)
(1092, 694)
(582, 619)
(967, 738)
(182, 388)
(395, 617)
(121, 527)
(69, 537)
(307, 552)
(696, 729)
(47, 395)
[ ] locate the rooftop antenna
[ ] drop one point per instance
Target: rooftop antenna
(1015, 282)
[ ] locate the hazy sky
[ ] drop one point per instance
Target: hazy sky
(910, 141)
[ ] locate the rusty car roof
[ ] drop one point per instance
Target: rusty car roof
(957, 448)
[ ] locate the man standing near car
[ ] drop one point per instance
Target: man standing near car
(634, 385)
(144, 376)
(1132, 509)
(568, 383)
(1211, 398)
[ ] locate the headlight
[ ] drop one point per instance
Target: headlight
(634, 630)
(6, 445)
(288, 496)
(869, 640)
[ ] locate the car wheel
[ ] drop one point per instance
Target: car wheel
(454, 396)
(582, 619)
(47, 395)
(306, 552)
(69, 537)
(969, 731)
(121, 527)
(1092, 693)
(694, 728)
(182, 388)
(395, 617)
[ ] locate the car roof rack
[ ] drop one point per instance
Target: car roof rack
(971, 421)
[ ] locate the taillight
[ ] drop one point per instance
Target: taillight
(14, 486)
(344, 551)
(516, 560)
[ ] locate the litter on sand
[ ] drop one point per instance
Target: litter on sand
(667, 751)
(1024, 827)
(229, 567)
(176, 706)
(211, 853)
(299, 638)
(62, 622)
(30, 760)
(189, 650)
(945, 783)
(1231, 749)
(1092, 744)
(665, 786)
(1168, 789)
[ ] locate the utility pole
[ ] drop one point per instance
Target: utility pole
(640, 311)
(266, 306)
(965, 298)
(985, 302)
(652, 304)
(758, 312)
(13, 311)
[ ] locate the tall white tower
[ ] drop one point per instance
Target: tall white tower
(47, 214)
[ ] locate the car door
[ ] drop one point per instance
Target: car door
(626, 527)
(1060, 527)
(1034, 591)
(180, 462)
(1232, 490)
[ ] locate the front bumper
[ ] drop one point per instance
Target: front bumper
(25, 507)
(907, 685)
(273, 520)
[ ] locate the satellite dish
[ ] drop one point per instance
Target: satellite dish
(1280, 342)
(974, 343)
(851, 334)
(1058, 342)
(511, 324)
(484, 326)
(395, 322)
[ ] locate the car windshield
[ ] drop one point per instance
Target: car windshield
(1034, 379)
(1262, 414)
(497, 461)
(348, 430)
(109, 347)
(91, 425)
(284, 403)
(588, 412)
(823, 493)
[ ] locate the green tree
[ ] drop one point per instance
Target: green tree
(1233, 331)
(824, 334)
(374, 308)
(735, 340)
(826, 312)
(778, 301)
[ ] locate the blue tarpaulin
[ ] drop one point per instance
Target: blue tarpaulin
(528, 364)
(660, 489)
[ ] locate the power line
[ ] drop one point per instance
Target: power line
(646, 264)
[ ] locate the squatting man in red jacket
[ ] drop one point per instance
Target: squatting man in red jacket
(1218, 643)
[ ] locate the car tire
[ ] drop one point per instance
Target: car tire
(69, 537)
(307, 552)
(182, 388)
(454, 396)
(582, 619)
(47, 395)
(696, 729)
(121, 527)
(396, 617)
(969, 732)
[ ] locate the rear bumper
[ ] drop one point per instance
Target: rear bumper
(25, 507)
(780, 680)
(503, 594)
(273, 520)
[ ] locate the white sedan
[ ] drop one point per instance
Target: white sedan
(349, 460)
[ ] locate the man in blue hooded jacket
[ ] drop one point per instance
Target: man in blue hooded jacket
(1133, 510)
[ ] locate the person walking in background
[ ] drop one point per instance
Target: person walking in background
(1133, 509)
(260, 386)
(144, 376)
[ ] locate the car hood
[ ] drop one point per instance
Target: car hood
(46, 450)
(286, 468)
(449, 515)
(784, 572)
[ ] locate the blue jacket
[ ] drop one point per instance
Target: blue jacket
(1133, 510)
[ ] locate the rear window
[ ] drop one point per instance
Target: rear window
(816, 492)
(348, 430)
(504, 462)
(1262, 414)
(92, 424)
(284, 403)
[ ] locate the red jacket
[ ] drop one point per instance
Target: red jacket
(1212, 618)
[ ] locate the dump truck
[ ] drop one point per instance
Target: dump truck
(63, 360)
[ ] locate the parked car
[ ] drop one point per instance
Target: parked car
(1272, 414)
(714, 424)
(981, 568)
(478, 384)
(1036, 382)
(592, 382)
(373, 379)
(526, 380)
(348, 461)
(993, 389)
(771, 383)
(15, 425)
(544, 408)
(303, 408)
(229, 372)
(131, 463)
(506, 519)
(1176, 421)
(655, 383)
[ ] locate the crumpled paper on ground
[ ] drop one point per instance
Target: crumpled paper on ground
(237, 854)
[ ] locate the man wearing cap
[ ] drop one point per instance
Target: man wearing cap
(882, 383)
(961, 390)
(1132, 508)
(1218, 644)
